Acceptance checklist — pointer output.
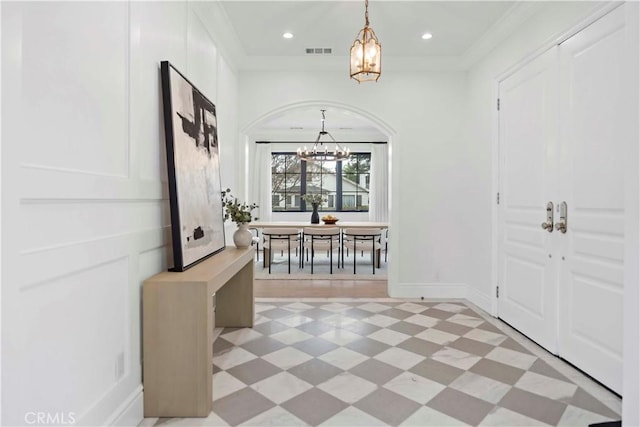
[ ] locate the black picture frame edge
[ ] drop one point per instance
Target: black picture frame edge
(178, 264)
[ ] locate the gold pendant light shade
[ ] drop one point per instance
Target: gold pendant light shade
(366, 53)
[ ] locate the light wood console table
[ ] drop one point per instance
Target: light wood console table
(177, 327)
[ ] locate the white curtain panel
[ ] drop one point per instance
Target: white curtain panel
(379, 205)
(261, 186)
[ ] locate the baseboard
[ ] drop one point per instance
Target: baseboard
(428, 290)
(483, 301)
(131, 412)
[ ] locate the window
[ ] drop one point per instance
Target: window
(345, 184)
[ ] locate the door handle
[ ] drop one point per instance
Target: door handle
(562, 223)
(548, 225)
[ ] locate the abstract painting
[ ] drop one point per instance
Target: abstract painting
(193, 166)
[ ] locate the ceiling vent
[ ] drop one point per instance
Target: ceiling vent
(318, 51)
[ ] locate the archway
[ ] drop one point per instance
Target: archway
(255, 126)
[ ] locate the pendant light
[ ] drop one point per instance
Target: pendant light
(366, 53)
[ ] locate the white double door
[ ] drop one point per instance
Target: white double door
(561, 140)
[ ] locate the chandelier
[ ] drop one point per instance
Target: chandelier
(366, 53)
(320, 154)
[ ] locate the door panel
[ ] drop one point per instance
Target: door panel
(526, 273)
(592, 183)
(562, 139)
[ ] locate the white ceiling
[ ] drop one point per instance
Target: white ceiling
(463, 31)
(455, 25)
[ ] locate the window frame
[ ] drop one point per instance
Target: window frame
(338, 205)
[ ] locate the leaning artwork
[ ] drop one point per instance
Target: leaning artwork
(193, 166)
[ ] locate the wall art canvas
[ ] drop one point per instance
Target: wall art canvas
(193, 166)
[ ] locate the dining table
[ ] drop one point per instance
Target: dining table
(258, 226)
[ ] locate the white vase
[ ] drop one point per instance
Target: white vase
(242, 237)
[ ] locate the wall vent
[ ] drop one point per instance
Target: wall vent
(318, 51)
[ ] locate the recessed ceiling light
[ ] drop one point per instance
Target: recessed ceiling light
(287, 35)
(427, 36)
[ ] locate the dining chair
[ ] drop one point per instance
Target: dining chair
(364, 240)
(321, 239)
(279, 239)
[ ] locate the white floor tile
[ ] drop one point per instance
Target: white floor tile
(235, 356)
(291, 336)
(287, 357)
(547, 387)
(436, 336)
(388, 336)
(281, 387)
(347, 387)
(426, 416)
(400, 358)
(511, 357)
(352, 417)
(453, 357)
(343, 358)
(414, 387)
(275, 417)
(224, 384)
(481, 387)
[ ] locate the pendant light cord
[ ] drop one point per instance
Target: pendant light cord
(366, 13)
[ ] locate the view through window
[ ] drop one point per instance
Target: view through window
(344, 185)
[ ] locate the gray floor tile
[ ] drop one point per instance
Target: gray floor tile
(357, 313)
(241, 406)
(262, 346)
(315, 346)
(438, 314)
(461, 406)
(268, 328)
(421, 347)
(511, 344)
(497, 371)
(317, 312)
(533, 406)
(220, 345)
(397, 314)
(437, 371)
(584, 400)
(276, 313)
(406, 328)
(543, 368)
(314, 406)
(315, 371)
(489, 327)
(368, 347)
(471, 346)
(362, 328)
(452, 328)
(315, 328)
(388, 406)
(254, 371)
(375, 371)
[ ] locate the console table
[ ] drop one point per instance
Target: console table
(177, 326)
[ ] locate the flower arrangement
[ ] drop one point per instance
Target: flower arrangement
(240, 213)
(314, 199)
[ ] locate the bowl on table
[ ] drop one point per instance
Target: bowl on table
(329, 220)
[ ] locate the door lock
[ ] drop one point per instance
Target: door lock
(548, 225)
(562, 223)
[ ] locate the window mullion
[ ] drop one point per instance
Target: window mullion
(339, 186)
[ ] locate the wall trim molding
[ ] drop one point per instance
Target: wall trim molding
(429, 290)
(481, 300)
(130, 412)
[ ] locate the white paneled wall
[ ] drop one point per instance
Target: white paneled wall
(85, 210)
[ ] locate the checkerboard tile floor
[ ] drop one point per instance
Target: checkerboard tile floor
(391, 362)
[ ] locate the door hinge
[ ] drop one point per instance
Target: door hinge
(498, 104)
(497, 198)
(497, 291)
